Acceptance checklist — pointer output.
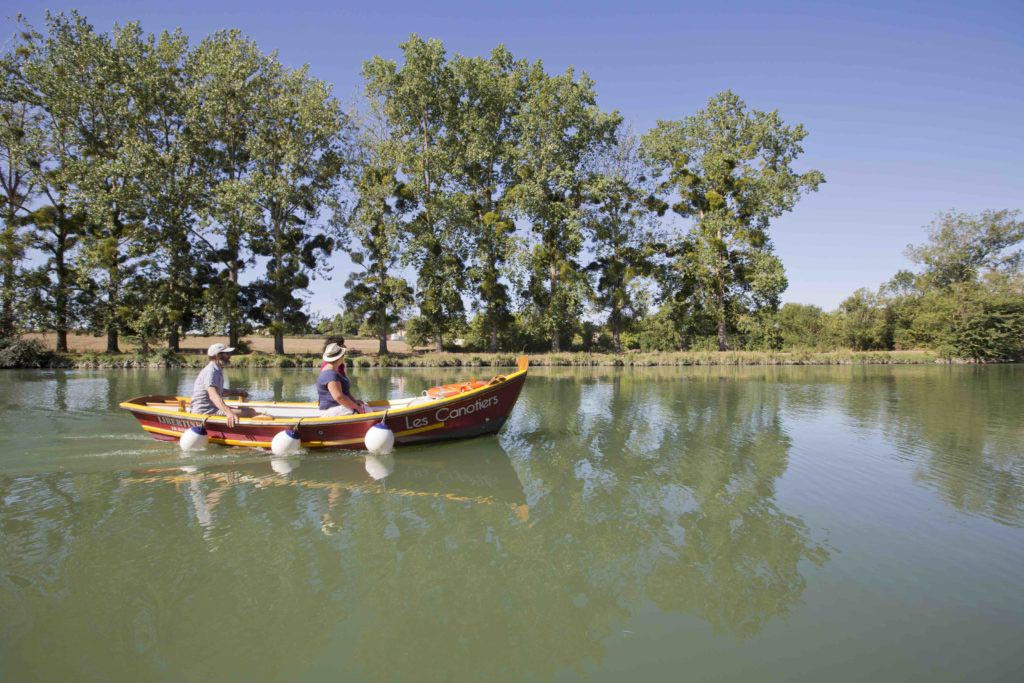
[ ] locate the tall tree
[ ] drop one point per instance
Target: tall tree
(489, 93)
(170, 293)
(296, 149)
(557, 128)
(418, 100)
(86, 85)
(729, 169)
(373, 236)
(620, 222)
(20, 137)
(56, 226)
(228, 77)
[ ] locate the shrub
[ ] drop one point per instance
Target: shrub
(23, 353)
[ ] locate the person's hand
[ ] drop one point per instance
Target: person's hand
(243, 394)
(232, 419)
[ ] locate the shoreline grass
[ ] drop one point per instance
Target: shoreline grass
(166, 359)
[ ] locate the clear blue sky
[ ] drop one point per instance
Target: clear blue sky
(912, 107)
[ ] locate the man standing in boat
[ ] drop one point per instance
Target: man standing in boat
(208, 392)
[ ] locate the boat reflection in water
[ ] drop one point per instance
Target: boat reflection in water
(477, 472)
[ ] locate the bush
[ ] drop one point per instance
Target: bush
(23, 353)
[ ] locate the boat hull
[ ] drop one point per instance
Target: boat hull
(474, 413)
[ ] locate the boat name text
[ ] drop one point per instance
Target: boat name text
(174, 422)
(446, 413)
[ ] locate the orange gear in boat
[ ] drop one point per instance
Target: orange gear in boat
(446, 390)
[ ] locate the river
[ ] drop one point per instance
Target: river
(782, 523)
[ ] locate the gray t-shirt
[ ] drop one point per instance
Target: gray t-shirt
(211, 376)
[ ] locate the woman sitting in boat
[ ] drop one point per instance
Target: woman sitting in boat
(333, 387)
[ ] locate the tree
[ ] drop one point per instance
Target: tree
(729, 170)
(418, 102)
(863, 321)
(489, 95)
(961, 247)
(802, 326)
(85, 83)
(296, 151)
(373, 238)
(20, 128)
(558, 128)
(169, 295)
(620, 224)
(227, 78)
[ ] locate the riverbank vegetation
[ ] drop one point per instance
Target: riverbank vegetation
(154, 188)
(33, 355)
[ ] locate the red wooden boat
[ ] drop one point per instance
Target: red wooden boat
(478, 408)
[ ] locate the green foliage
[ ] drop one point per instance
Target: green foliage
(372, 236)
(620, 224)
(296, 149)
(23, 353)
(961, 247)
(345, 323)
(863, 322)
(976, 320)
(729, 170)
(803, 326)
(490, 93)
(418, 101)
(559, 126)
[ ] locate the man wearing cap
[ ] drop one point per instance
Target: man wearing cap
(208, 393)
(332, 387)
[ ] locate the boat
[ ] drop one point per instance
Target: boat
(480, 408)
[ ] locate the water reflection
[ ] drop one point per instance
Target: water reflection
(500, 558)
(962, 426)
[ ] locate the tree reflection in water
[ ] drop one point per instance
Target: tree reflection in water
(495, 558)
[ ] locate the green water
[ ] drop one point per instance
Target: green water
(840, 524)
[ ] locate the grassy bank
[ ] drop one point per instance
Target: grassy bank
(165, 359)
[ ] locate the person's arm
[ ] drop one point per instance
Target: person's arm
(335, 388)
(214, 394)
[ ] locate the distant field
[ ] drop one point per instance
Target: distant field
(84, 343)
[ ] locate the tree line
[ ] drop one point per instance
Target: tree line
(152, 188)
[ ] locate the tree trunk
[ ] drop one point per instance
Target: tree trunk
(492, 346)
(279, 342)
(556, 342)
(112, 339)
(233, 279)
(723, 338)
(173, 339)
(382, 343)
(438, 342)
(113, 283)
(60, 295)
(233, 313)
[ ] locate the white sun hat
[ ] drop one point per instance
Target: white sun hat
(333, 352)
(219, 348)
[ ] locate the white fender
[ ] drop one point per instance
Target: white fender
(379, 439)
(194, 439)
(285, 443)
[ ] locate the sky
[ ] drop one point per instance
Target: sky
(912, 108)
